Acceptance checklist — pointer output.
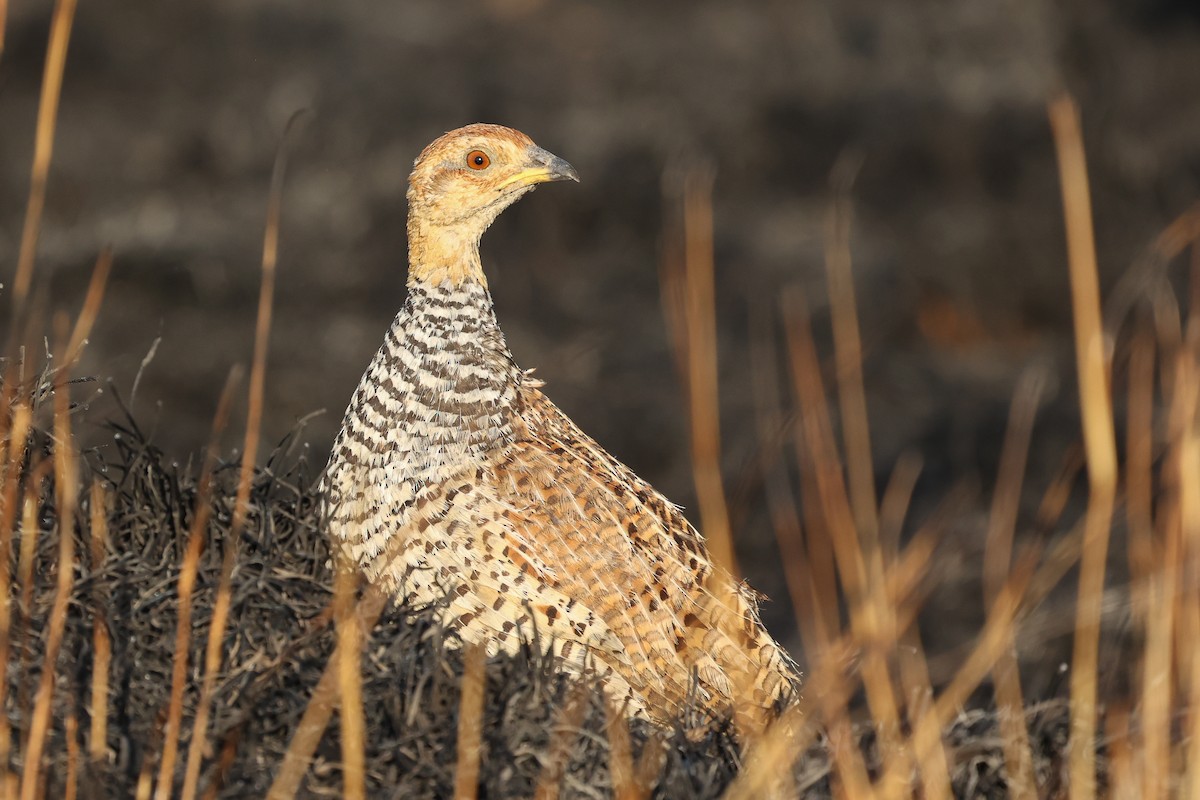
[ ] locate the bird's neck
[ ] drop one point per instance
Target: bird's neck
(440, 254)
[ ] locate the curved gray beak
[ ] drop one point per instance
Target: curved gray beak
(542, 166)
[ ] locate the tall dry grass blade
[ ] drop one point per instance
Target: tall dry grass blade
(848, 353)
(934, 775)
(52, 75)
(186, 585)
(860, 466)
(871, 617)
(821, 531)
(1186, 463)
(320, 708)
(829, 687)
(91, 307)
(469, 745)
(18, 415)
(934, 771)
(222, 767)
(993, 639)
(773, 755)
(893, 509)
(1099, 439)
(71, 791)
(145, 782)
(348, 656)
(781, 504)
(701, 330)
(1120, 755)
(66, 483)
(258, 369)
(1147, 576)
(1002, 523)
(101, 640)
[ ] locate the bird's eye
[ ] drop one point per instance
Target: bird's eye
(477, 159)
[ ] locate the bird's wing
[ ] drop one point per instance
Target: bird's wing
(621, 543)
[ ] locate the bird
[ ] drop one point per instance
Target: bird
(456, 483)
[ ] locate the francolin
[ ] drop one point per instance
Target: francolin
(455, 480)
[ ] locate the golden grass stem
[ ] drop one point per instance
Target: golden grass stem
(1099, 439)
(700, 326)
(91, 308)
(1018, 755)
(186, 584)
(67, 488)
(19, 417)
(72, 780)
(52, 75)
(848, 355)
(349, 671)
(469, 745)
(993, 639)
(101, 640)
(871, 617)
(321, 706)
(258, 369)
(781, 504)
(1186, 563)
(1147, 584)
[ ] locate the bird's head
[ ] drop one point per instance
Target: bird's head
(465, 178)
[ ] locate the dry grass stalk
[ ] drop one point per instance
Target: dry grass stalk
(145, 783)
(321, 706)
(18, 415)
(781, 502)
(101, 640)
(848, 355)
(183, 626)
(993, 639)
(52, 75)
(1018, 755)
(1096, 407)
(689, 300)
(1187, 463)
(349, 672)
(871, 619)
(258, 369)
(1146, 579)
(91, 308)
(72, 780)
(469, 744)
(67, 488)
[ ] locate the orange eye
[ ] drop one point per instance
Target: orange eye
(477, 159)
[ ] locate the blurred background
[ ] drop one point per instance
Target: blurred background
(172, 114)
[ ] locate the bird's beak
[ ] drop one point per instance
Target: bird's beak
(542, 166)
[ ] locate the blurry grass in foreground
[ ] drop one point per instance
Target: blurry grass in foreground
(855, 587)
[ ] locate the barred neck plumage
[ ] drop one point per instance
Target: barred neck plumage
(447, 356)
(440, 392)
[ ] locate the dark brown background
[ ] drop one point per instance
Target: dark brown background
(172, 113)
